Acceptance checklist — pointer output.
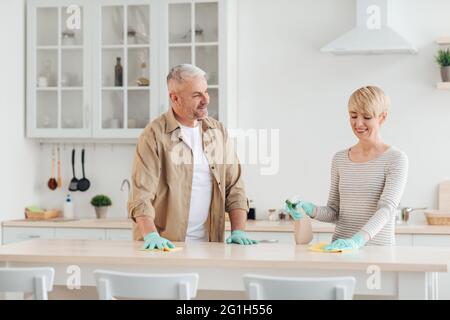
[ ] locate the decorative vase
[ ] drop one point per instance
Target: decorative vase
(101, 212)
(445, 74)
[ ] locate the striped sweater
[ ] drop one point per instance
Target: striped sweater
(365, 196)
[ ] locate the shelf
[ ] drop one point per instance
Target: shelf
(443, 85)
(72, 88)
(138, 87)
(206, 44)
(46, 88)
(180, 45)
(443, 41)
(113, 88)
(47, 47)
(79, 47)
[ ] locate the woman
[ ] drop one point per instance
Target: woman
(367, 180)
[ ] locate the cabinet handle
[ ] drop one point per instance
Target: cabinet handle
(33, 236)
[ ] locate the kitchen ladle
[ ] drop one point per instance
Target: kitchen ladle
(73, 186)
(52, 183)
(83, 183)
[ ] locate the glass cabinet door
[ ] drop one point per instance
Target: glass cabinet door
(125, 63)
(193, 37)
(57, 55)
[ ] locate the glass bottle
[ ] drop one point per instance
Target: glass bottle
(118, 74)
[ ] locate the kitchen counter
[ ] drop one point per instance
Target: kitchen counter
(406, 272)
(252, 225)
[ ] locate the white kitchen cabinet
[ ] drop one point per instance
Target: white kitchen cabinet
(58, 69)
(80, 233)
(403, 240)
(119, 234)
(17, 234)
(72, 90)
(436, 241)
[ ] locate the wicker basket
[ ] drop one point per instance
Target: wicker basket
(438, 217)
(42, 215)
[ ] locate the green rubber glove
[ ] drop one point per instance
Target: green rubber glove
(294, 203)
(154, 241)
(355, 242)
(240, 237)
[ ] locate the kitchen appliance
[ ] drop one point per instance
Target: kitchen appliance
(373, 33)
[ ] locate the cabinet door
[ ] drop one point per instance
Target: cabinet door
(16, 234)
(80, 233)
(58, 64)
(126, 67)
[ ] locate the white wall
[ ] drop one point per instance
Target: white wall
(18, 155)
(285, 82)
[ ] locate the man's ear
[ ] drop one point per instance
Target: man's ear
(173, 97)
(383, 117)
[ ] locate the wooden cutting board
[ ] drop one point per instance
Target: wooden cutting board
(444, 195)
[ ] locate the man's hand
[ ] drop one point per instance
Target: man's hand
(154, 241)
(240, 237)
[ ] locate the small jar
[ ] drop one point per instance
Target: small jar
(68, 38)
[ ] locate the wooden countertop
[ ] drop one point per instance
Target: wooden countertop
(252, 225)
(414, 259)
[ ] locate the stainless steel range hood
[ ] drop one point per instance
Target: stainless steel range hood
(373, 34)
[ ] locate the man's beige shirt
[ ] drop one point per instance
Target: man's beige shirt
(162, 178)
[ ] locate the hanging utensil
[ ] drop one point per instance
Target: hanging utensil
(83, 183)
(52, 184)
(73, 186)
(59, 179)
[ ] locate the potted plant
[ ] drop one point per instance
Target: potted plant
(443, 59)
(101, 204)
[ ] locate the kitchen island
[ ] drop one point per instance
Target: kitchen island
(385, 272)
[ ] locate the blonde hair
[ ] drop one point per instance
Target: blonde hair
(369, 100)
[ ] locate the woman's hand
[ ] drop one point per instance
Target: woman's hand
(355, 242)
(293, 204)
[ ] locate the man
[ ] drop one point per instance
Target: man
(185, 173)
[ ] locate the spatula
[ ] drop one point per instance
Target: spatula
(83, 183)
(74, 182)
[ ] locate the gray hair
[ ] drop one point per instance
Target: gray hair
(183, 71)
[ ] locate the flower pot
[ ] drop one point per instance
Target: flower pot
(445, 74)
(101, 212)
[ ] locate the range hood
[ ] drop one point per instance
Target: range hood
(372, 35)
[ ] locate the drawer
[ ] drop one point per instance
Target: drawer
(324, 237)
(80, 233)
(119, 234)
(16, 234)
(403, 240)
(431, 240)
